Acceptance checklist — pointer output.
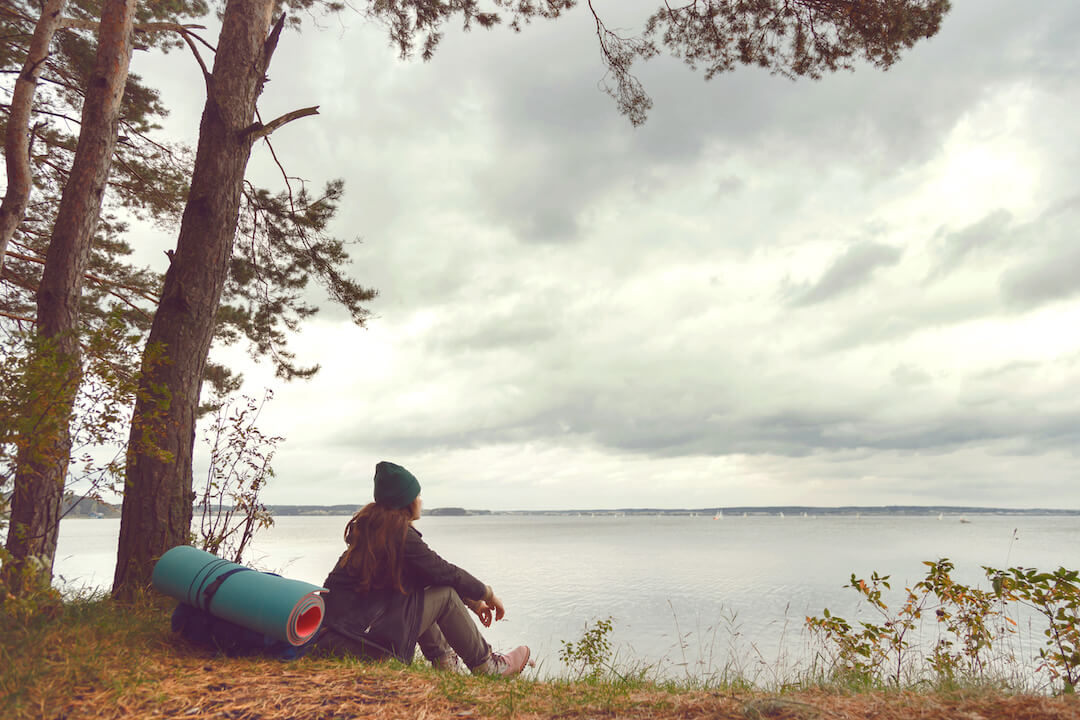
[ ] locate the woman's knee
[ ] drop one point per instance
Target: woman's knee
(440, 595)
(438, 600)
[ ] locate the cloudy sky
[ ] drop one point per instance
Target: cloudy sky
(860, 290)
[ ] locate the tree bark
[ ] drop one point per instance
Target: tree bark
(44, 447)
(158, 495)
(17, 137)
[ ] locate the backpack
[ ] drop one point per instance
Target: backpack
(225, 637)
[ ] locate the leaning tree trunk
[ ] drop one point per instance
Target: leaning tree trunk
(158, 488)
(17, 136)
(44, 442)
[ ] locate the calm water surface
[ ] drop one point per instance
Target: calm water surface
(691, 594)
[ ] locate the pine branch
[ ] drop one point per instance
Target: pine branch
(18, 318)
(105, 282)
(79, 23)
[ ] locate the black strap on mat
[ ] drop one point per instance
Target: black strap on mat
(212, 588)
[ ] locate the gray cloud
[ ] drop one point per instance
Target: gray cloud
(650, 427)
(853, 269)
(992, 233)
(729, 185)
(1043, 281)
(998, 283)
(1051, 255)
(909, 375)
(526, 324)
(549, 225)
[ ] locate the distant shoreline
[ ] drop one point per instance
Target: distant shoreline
(88, 508)
(947, 511)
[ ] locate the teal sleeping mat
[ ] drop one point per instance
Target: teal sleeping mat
(284, 609)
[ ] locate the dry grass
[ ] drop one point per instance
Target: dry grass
(108, 663)
(191, 687)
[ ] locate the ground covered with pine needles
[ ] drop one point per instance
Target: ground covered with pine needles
(96, 660)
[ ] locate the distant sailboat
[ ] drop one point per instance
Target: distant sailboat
(781, 513)
(940, 516)
(719, 515)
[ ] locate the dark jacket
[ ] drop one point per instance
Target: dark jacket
(380, 623)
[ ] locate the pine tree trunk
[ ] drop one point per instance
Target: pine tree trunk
(45, 443)
(158, 493)
(17, 136)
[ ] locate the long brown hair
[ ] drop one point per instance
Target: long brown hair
(376, 539)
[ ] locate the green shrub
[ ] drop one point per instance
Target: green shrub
(970, 622)
(1056, 596)
(591, 654)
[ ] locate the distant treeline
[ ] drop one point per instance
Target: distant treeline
(798, 510)
(78, 506)
(283, 510)
(75, 506)
(786, 510)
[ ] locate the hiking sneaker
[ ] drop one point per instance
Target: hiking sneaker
(506, 665)
(447, 663)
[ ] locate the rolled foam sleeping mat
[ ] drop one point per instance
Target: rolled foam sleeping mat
(284, 609)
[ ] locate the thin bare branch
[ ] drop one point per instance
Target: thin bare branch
(258, 130)
(187, 36)
(284, 174)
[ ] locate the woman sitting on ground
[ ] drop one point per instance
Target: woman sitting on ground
(389, 590)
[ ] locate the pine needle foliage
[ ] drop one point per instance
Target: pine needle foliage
(281, 247)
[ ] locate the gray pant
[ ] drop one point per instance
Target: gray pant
(446, 628)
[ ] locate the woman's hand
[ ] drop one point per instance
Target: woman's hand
(482, 610)
(496, 604)
(489, 609)
(484, 613)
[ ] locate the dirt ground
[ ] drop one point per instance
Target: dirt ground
(267, 690)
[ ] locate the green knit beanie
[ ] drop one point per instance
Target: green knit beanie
(395, 487)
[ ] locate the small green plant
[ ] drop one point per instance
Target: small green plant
(874, 650)
(590, 656)
(1056, 596)
(966, 615)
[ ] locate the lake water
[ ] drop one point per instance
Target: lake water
(687, 594)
